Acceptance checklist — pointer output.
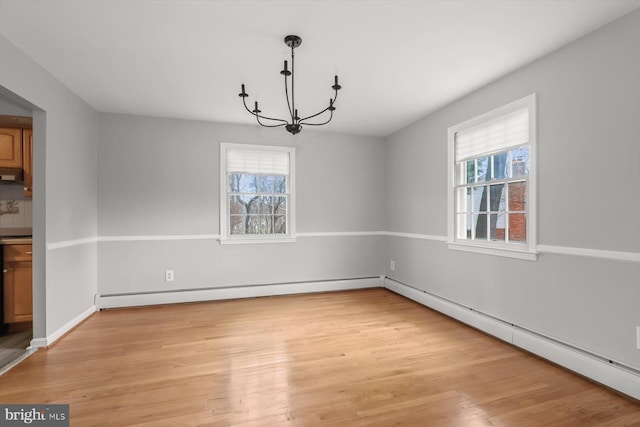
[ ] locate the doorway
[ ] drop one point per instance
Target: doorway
(16, 232)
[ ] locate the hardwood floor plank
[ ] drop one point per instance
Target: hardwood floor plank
(358, 358)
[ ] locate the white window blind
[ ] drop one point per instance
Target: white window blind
(258, 162)
(491, 137)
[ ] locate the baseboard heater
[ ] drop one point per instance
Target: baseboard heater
(106, 301)
(612, 374)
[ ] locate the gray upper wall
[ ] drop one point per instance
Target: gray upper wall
(588, 151)
(70, 139)
(161, 176)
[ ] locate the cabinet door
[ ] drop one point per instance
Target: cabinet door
(10, 148)
(18, 293)
(27, 158)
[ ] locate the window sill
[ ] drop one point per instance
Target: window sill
(495, 251)
(251, 240)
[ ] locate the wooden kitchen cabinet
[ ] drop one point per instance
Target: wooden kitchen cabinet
(27, 161)
(17, 283)
(10, 148)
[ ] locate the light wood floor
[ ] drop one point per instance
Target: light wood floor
(355, 358)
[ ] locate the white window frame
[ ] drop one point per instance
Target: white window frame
(526, 250)
(225, 236)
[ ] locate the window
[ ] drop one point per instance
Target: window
(256, 193)
(492, 182)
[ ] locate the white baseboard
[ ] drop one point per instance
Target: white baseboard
(50, 339)
(592, 366)
(212, 294)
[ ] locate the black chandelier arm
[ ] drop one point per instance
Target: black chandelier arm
(263, 117)
(328, 108)
(269, 126)
(319, 124)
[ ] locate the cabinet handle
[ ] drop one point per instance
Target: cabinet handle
(29, 253)
(5, 271)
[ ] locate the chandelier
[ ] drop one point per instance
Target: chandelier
(294, 125)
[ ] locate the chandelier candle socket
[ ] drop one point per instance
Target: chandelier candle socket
(293, 126)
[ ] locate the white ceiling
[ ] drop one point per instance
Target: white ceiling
(397, 60)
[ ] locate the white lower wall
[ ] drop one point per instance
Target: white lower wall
(71, 271)
(138, 266)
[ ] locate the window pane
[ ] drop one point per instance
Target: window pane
(265, 184)
(280, 184)
(481, 227)
(280, 224)
(500, 165)
(480, 199)
(518, 196)
(237, 224)
(496, 226)
(266, 205)
(252, 203)
(280, 205)
(253, 224)
(237, 205)
(471, 171)
(266, 224)
(496, 197)
(517, 227)
(484, 169)
(520, 162)
(242, 183)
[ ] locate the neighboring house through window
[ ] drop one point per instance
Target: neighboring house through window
(492, 183)
(256, 193)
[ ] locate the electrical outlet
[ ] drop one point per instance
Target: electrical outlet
(168, 276)
(638, 337)
(392, 265)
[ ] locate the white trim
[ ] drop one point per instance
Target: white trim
(233, 292)
(546, 249)
(159, 237)
(591, 253)
(342, 234)
(56, 335)
(252, 240)
(615, 375)
(417, 236)
(497, 251)
(68, 243)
